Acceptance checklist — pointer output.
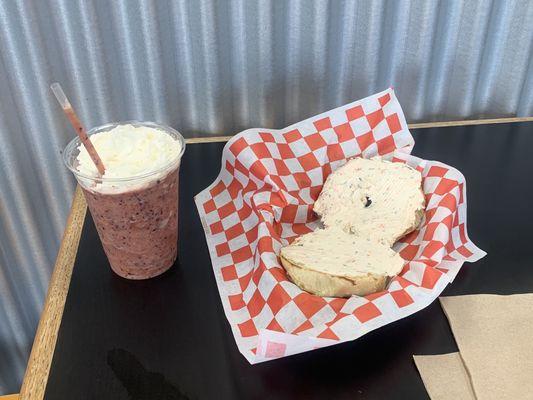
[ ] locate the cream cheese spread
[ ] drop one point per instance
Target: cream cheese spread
(335, 252)
(372, 199)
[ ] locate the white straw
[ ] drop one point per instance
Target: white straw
(60, 95)
(78, 127)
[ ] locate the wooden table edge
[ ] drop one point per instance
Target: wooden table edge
(443, 124)
(36, 376)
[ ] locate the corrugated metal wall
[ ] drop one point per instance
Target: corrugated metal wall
(217, 67)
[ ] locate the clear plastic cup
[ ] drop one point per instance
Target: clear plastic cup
(137, 216)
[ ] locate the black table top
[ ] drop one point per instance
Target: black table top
(168, 338)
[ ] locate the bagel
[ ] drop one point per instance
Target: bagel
(330, 262)
(373, 198)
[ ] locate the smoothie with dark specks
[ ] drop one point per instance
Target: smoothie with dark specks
(138, 229)
(135, 204)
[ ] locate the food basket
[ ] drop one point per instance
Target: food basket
(263, 198)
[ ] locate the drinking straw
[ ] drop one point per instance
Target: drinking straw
(76, 123)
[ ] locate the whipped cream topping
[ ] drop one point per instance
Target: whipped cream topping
(128, 151)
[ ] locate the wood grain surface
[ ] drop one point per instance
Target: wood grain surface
(10, 397)
(443, 124)
(36, 376)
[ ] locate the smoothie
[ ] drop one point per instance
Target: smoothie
(134, 205)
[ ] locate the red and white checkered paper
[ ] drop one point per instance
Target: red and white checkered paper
(263, 198)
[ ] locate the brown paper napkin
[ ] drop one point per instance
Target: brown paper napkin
(495, 339)
(445, 377)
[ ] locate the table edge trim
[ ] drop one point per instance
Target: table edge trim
(36, 375)
(420, 125)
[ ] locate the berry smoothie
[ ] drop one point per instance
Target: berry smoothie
(134, 205)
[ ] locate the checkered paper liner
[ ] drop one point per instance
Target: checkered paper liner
(263, 199)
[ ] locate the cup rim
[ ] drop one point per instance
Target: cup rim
(75, 142)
